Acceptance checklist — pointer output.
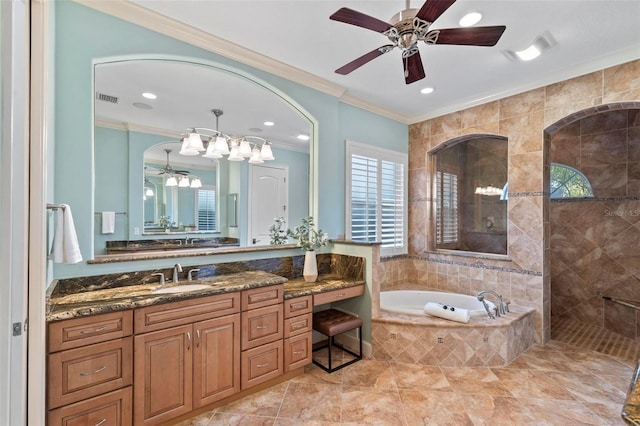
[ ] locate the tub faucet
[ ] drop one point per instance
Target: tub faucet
(176, 268)
(501, 309)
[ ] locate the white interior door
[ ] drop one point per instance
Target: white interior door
(268, 198)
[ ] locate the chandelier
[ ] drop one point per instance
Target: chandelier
(215, 144)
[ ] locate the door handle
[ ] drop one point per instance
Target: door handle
(254, 241)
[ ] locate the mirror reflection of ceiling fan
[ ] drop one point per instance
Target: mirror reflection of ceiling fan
(168, 170)
(410, 26)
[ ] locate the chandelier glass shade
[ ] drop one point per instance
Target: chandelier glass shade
(214, 144)
(184, 182)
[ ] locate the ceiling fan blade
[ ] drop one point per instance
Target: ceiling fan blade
(472, 36)
(413, 69)
(432, 9)
(367, 57)
(359, 19)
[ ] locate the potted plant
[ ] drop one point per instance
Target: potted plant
(309, 239)
(278, 233)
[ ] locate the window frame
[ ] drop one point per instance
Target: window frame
(380, 155)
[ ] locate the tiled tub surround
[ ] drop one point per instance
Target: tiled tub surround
(433, 341)
(523, 119)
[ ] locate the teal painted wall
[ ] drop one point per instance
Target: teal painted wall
(83, 35)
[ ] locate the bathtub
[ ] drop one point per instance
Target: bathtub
(411, 302)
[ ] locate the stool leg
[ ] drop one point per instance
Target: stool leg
(360, 335)
(330, 345)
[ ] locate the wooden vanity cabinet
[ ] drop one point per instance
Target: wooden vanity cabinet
(89, 370)
(298, 325)
(187, 366)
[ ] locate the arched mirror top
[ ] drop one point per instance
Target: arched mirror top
(153, 102)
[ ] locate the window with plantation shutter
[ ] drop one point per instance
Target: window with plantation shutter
(206, 208)
(376, 197)
(446, 208)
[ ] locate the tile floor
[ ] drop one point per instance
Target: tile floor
(558, 384)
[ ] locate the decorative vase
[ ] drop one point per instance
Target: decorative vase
(310, 270)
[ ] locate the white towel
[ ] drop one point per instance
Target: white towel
(65, 241)
(108, 222)
(439, 310)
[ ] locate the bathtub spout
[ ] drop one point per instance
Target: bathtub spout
(501, 309)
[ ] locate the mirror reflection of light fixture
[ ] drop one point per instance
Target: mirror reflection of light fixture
(184, 182)
(216, 144)
(171, 181)
(196, 183)
(148, 191)
(491, 191)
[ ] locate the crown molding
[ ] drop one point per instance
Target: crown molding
(599, 64)
(138, 15)
(119, 125)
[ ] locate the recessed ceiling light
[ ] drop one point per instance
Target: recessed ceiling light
(149, 95)
(427, 90)
(470, 19)
(303, 137)
(268, 123)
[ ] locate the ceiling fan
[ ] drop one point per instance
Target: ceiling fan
(167, 169)
(410, 26)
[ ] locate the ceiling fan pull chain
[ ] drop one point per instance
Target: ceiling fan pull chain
(406, 67)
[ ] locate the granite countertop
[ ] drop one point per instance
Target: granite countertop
(60, 307)
(631, 408)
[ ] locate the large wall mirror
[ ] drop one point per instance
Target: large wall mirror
(470, 195)
(143, 110)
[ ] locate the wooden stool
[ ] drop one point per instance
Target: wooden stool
(332, 322)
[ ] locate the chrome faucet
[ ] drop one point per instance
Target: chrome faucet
(176, 268)
(189, 276)
(158, 274)
(501, 309)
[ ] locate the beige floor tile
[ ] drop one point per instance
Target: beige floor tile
(609, 412)
(588, 387)
(475, 380)
(264, 403)
(416, 376)
(314, 374)
(375, 374)
(201, 420)
(494, 410)
(531, 384)
(557, 412)
(298, 422)
(426, 407)
(371, 406)
(312, 401)
(225, 419)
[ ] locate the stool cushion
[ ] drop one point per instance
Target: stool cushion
(332, 322)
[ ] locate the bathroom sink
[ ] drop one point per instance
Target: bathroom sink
(182, 288)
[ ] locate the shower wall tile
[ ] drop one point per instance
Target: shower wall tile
(447, 124)
(523, 132)
(480, 115)
(574, 91)
(522, 104)
(622, 78)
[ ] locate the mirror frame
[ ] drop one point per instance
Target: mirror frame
(216, 66)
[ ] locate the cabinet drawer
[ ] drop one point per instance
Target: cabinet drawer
(260, 326)
(111, 409)
(84, 372)
(297, 351)
(158, 317)
(335, 295)
(298, 306)
(261, 364)
(73, 333)
(263, 296)
(298, 325)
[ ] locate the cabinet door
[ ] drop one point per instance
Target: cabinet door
(297, 351)
(216, 359)
(262, 325)
(162, 375)
(110, 409)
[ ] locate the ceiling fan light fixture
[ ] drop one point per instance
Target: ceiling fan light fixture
(184, 182)
(470, 19)
(148, 192)
(171, 181)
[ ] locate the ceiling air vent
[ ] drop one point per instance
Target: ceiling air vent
(106, 98)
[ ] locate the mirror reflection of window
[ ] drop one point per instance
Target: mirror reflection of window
(470, 206)
(206, 203)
